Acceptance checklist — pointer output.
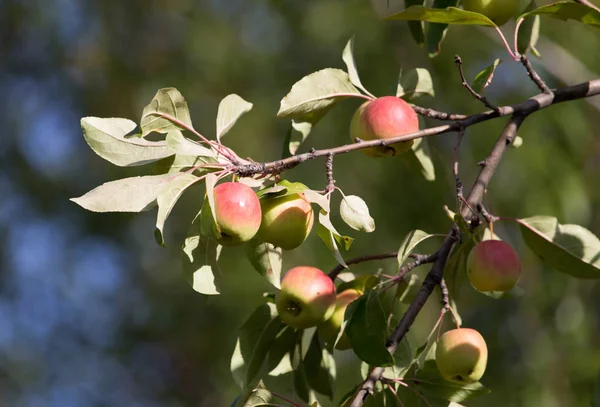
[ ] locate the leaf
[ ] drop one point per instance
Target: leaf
(331, 237)
(348, 58)
(484, 78)
(565, 10)
(281, 189)
(266, 259)
(180, 163)
(355, 212)
(571, 249)
(416, 27)
(259, 396)
(211, 181)
(436, 32)
(279, 357)
(315, 197)
(414, 83)
(529, 32)
(107, 137)
(312, 97)
(200, 257)
(133, 194)
(362, 283)
(166, 105)
(320, 365)
(254, 341)
(419, 159)
(367, 330)
(299, 131)
(463, 225)
(181, 145)
(430, 382)
(231, 108)
(409, 243)
(167, 198)
(449, 15)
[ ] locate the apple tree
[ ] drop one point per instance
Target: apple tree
(310, 313)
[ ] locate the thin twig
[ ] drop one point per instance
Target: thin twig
(459, 185)
(434, 114)
(534, 76)
(472, 91)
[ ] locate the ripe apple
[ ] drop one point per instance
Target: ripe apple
(461, 355)
(330, 328)
(493, 265)
(237, 211)
(499, 11)
(306, 297)
(286, 221)
(381, 119)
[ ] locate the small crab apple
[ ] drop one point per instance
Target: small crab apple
(237, 212)
(461, 355)
(329, 329)
(381, 119)
(499, 11)
(306, 297)
(286, 221)
(493, 265)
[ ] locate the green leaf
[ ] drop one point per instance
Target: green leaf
(414, 83)
(300, 129)
(484, 78)
(167, 111)
(259, 396)
(331, 237)
(367, 329)
(362, 283)
(419, 159)
(181, 145)
(529, 32)
(449, 15)
(211, 181)
(409, 243)
(320, 365)
(348, 57)
(355, 212)
(279, 358)
(406, 291)
(200, 256)
(133, 194)
(180, 163)
(107, 137)
(571, 249)
(416, 27)
(463, 225)
(266, 259)
(315, 197)
(231, 108)
(566, 10)
(254, 341)
(430, 382)
(166, 199)
(281, 189)
(436, 32)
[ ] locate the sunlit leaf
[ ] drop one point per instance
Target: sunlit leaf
(529, 32)
(348, 57)
(484, 78)
(231, 108)
(567, 10)
(409, 243)
(414, 83)
(266, 259)
(331, 237)
(180, 144)
(418, 158)
(167, 111)
(355, 212)
(258, 396)
(450, 15)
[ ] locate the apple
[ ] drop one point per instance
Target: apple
(286, 221)
(330, 328)
(493, 265)
(306, 298)
(461, 355)
(381, 119)
(499, 11)
(237, 212)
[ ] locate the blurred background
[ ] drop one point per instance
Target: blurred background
(94, 313)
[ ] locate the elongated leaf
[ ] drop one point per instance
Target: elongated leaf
(430, 382)
(331, 237)
(231, 108)
(367, 329)
(436, 32)
(355, 212)
(409, 243)
(571, 249)
(414, 83)
(419, 159)
(450, 15)
(167, 104)
(133, 194)
(258, 396)
(281, 189)
(484, 78)
(362, 283)
(315, 197)
(167, 198)
(529, 32)
(181, 145)
(416, 27)
(211, 181)
(320, 365)
(279, 358)
(348, 57)
(266, 259)
(566, 10)
(107, 138)
(254, 341)
(317, 91)
(200, 257)
(180, 163)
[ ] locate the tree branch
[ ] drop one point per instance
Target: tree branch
(472, 91)
(434, 114)
(534, 75)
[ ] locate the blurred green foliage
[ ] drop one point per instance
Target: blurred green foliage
(94, 313)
